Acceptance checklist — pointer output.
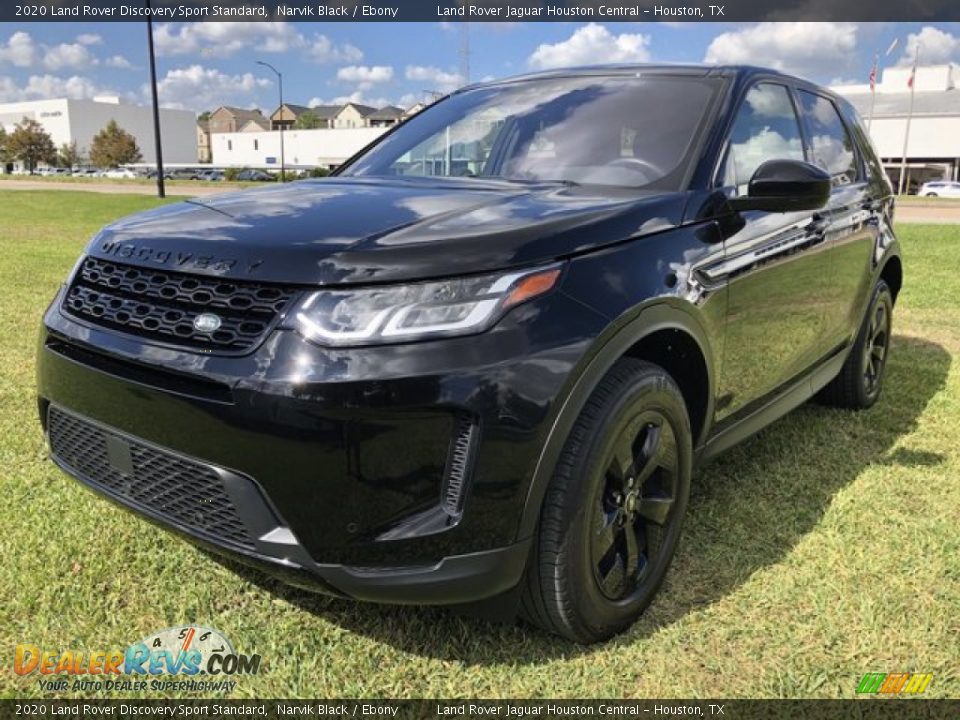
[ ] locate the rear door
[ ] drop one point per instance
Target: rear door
(774, 265)
(850, 220)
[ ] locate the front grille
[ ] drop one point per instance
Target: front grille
(162, 305)
(184, 491)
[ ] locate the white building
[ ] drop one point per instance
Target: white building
(933, 148)
(302, 148)
(69, 121)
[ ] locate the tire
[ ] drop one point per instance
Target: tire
(931, 195)
(858, 384)
(613, 511)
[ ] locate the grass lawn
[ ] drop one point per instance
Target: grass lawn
(822, 549)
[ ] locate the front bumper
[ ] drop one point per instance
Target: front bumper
(339, 461)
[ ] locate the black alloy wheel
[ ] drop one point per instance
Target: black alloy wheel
(612, 514)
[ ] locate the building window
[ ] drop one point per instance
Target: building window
(229, 144)
(256, 144)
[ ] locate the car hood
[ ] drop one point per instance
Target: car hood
(354, 230)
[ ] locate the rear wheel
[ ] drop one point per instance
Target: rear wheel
(614, 509)
(858, 384)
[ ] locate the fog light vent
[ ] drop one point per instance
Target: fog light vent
(460, 463)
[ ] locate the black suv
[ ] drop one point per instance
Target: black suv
(483, 360)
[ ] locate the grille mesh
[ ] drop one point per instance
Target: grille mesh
(162, 305)
(459, 464)
(186, 492)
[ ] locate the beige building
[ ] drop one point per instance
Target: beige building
(352, 115)
(226, 119)
(203, 141)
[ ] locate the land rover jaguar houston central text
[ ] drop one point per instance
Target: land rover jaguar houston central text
(479, 364)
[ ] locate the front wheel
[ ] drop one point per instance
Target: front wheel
(612, 515)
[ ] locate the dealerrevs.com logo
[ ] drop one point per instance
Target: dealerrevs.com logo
(188, 659)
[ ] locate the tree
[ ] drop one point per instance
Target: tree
(307, 120)
(69, 155)
(31, 144)
(204, 116)
(114, 146)
(4, 158)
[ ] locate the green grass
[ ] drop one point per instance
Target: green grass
(824, 548)
(81, 181)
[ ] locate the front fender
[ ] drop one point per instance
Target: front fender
(662, 314)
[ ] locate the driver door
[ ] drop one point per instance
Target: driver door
(775, 266)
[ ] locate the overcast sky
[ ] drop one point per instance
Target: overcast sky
(204, 65)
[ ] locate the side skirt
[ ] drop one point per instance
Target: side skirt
(792, 397)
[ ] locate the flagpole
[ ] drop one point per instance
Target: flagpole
(906, 134)
(873, 90)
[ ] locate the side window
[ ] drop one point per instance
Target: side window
(766, 128)
(831, 143)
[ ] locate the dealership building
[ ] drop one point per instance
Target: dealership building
(68, 121)
(933, 148)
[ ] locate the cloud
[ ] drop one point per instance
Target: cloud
(19, 50)
(89, 39)
(801, 48)
(223, 39)
(324, 50)
(365, 76)
(42, 87)
(590, 45)
(365, 73)
(197, 87)
(67, 55)
(436, 78)
(936, 47)
(119, 62)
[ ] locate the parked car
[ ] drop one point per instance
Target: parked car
(210, 175)
(941, 188)
(494, 386)
(120, 173)
(86, 172)
(251, 174)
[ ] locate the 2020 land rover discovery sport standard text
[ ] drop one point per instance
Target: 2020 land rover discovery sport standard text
(482, 360)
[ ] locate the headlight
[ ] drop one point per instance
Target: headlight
(401, 313)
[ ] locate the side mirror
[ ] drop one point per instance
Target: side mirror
(785, 186)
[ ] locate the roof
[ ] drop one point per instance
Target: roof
(387, 112)
(326, 111)
(295, 109)
(204, 125)
(260, 122)
(898, 104)
(362, 109)
(239, 113)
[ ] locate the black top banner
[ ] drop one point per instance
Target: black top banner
(477, 10)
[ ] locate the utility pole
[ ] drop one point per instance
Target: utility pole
(283, 162)
(161, 189)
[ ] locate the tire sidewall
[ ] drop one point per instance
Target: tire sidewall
(881, 295)
(597, 613)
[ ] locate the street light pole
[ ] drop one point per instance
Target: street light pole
(161, 189)
(283, 163)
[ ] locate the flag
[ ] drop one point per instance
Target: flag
(913, 74)
(873, 76)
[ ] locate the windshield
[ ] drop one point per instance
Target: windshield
(625, 131)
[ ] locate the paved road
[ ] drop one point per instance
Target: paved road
(932, 213)
(114, 188)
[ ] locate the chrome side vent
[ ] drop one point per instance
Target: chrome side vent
(456, 477)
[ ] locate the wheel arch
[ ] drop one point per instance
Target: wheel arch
(665, 333)
(891, 272)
